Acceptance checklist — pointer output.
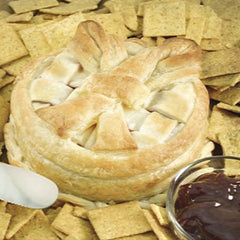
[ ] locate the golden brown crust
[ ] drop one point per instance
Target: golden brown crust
(101, 167)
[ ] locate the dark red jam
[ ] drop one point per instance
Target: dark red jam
(209, 207)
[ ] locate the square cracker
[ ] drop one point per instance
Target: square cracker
(112, 23)
(11, 47)
(2, 73)
(220, 62)
(222, 121)
(69, 224)
(235, 109)
(23, 17)
(194, 9)
(213, 25)
(128, 12)
(35, 41)
(161, 232)
(4, 223)
(211, 44)
(70, 8)
(195, 28)
(8, 79)
(3, 204)
(230, 96)
(142, 236)
(230, 142)
(4, 14)
(164, 19)
(230, 33)
(37, 227)
(20, 216)
(119, 220)
(161, 214)
(222, 83)
(16, 67)
(30, 5)
(58, 34)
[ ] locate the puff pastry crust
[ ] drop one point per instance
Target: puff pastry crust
(109, 120)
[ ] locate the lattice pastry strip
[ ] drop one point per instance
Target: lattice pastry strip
(135, 118)
(158, 126)
(128, 90)
(176, 103)
(112, 132)
(62, 68)
(56, 92)
(74, 116)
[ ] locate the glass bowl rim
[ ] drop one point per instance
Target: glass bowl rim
(173, 185)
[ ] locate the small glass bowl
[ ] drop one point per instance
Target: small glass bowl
(229, 165)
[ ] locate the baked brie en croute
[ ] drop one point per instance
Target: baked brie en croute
(107, 119)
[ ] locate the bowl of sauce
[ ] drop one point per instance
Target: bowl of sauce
(203, 200)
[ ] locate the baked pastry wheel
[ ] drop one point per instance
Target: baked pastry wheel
(109, 120)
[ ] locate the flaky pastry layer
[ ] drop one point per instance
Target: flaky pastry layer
(114, 120)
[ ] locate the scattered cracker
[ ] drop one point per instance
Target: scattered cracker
(80, 212)
(161, 214)
(8, 79)
(11, 47)
(3, 205)
(211, 44)
(2, 73)
(16, 67)
(222, 121)
(193, 9)
(20, 216)
(235, 109)
(4, 113)
(230, 142)
(164, 19)
(69, 224)
(128, 12)
(230, 96)
(30, 5)
(161, 232)
(230, 34)
(143, 236)
(59, 33)
(35, 41)
(220, 62)
(4, 223)
(112, 23)
(4, 14)
(70, 8)
(52, 213)
(222, 83)
(37, 227)
(6, 91)
(213, 25)
(24, 17)
(195, 29)
(118, 220)
(20, 26)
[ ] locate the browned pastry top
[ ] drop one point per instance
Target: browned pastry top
(109, 120)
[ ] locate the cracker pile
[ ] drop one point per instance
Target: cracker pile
(33, 28)
(125, 221)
